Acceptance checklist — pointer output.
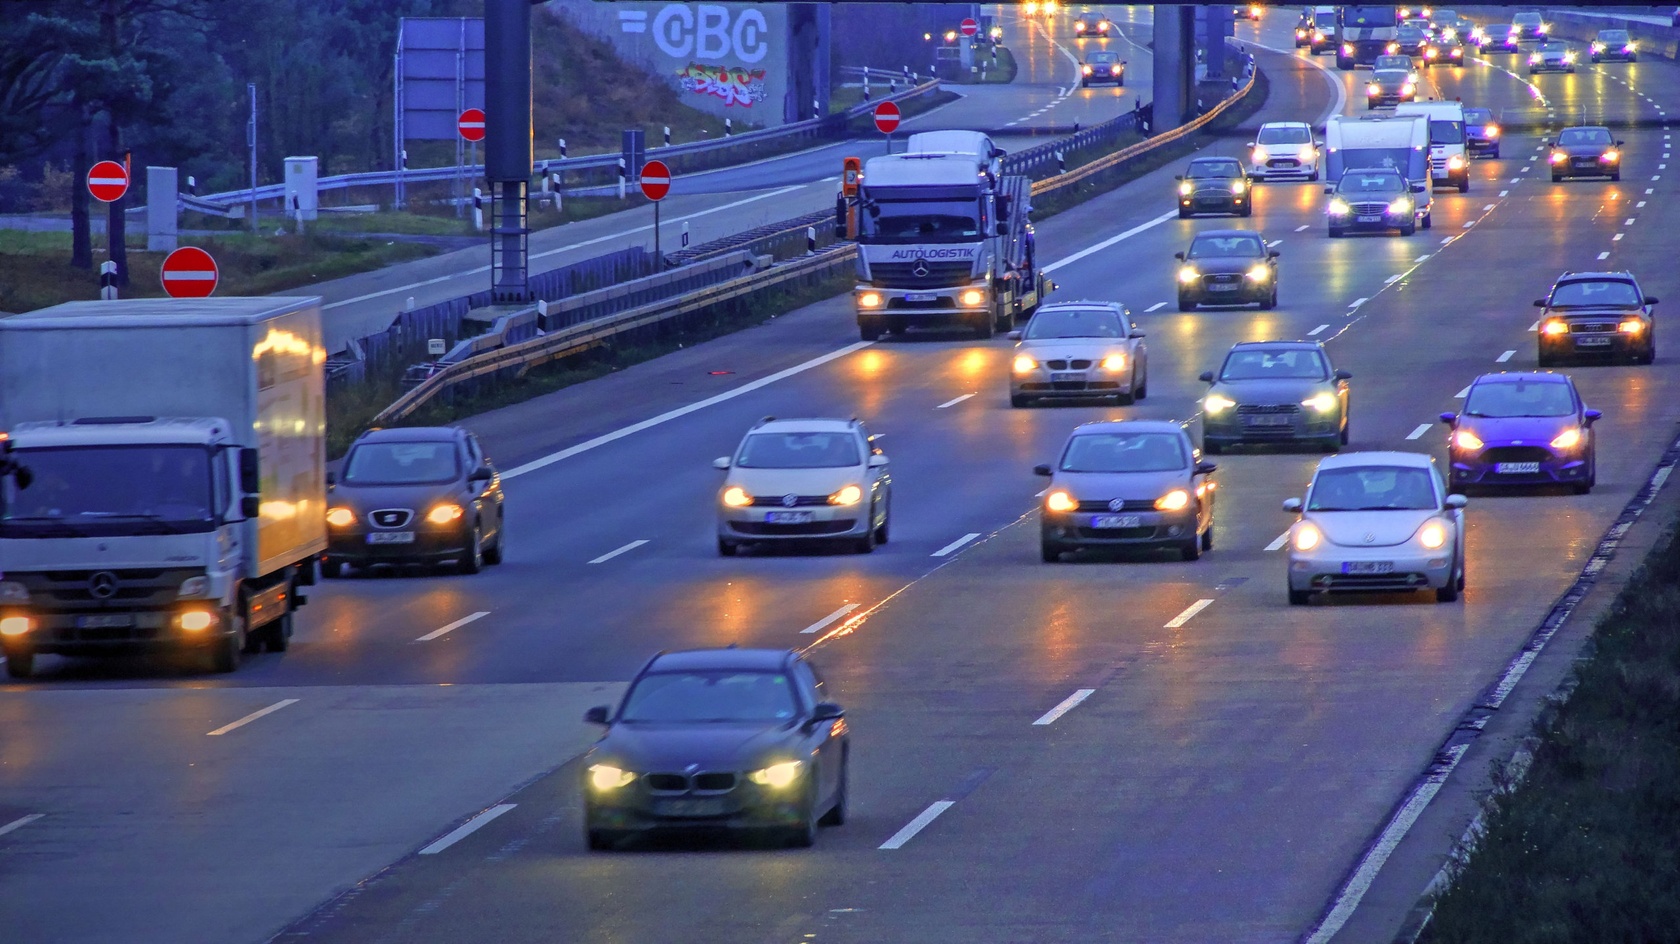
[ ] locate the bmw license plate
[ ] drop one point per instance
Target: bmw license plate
(391, 537)
(1073, 377)
(1367, 567)
(1516, 468)
(687, 806)
(1116, 521)
(921, 296)
(105, 621)
(1266, 420)
(788, 517)
(1370, 219)
(1592, 342)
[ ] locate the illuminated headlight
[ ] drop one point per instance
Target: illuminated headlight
(1568, 439)
(1430, 53)
(1300, 34)
(1214, 403)
(1237, 186)
(1373, 89)
(1554, 328)
(1543, 28)
(1568, 57)
(1631, 327)
(1432, 535)
(849, 495)
(869, 300)
(1307, 153)
(1186, 188)
(1612, 155)
(1114, 363)
(1455, 162)
(195, 621)
(1457, 52)
(1464, 439)
(1320, 403)
(1402, 205)
(1597, 47)
(14, 626)
(1086, 70)
(1114, 70)
(1318, 37)
(13, 592)
(445, 513)
(736, 497)
(604, 777)
(1024, 364)
(190, 587)
(1347, 49)
(1259, 273)
(341, 517)
(1060, 500)
(1631, 47)
(1534, 59)
(1558, 157)
(1187, 274)
(1307, 536)
(1339, 207)
(1176, 500)
(777, 776)
(1102, 27)
(1079, 25)
(1393, 48)
(973, 298)
(1408, 89)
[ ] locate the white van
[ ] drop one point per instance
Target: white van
(1449, 161)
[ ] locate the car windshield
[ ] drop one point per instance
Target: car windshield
(1075, 323)
(1478, 116)
(1558, 48)
(1323, 20)
(1125, 452)
(83, 491)
(1583, 136)
(1391, 77)
(828, 450)
(890, 221)
(1103, 58)
(1410, 34)
(1253, 363)
(1369, 17)
(1222, 247)
(1605, 294)
(718, 697)
(1372, 488)
(1390, 63)
(1613, 36)
(1357, 182)
(1446, 131)
(1521, 398)
(1214, 169)
(1284, 134)
(1525, 19)
(1500, 30)
(402, 463)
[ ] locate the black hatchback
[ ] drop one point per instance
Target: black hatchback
(1215, 185)
(1587, 151)
(422, 495)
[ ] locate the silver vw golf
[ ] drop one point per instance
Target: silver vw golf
(804, 479)
(1376, 521)
(1128, 483)
(1083, 349)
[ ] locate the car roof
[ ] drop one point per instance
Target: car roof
(1228, 233)
(749, 660)
(771, 424)
(1523, 376)
(1414, 460)
(1277, 346)
(1284, 124)
(1213, 160)
(1596, 277)
(1137, 426)
(1603, 128)
(1081, 303)
(412, 434)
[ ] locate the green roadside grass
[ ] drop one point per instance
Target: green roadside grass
(1586, 846)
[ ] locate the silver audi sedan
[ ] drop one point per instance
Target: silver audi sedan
(1128, 483)
(1376, 521)
(1275, 391)
(1079, 350)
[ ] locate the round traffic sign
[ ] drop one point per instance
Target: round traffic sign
(656, 180)
(969, 27)
(886, 117)
(189, 272)
(107, 181)
(471, 124)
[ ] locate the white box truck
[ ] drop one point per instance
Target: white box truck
(1391, 142)
(172, 490)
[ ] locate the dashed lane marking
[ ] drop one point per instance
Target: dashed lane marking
(1419, 432)
(953, 401)
(466, 829)
(20, 822)
(956, 545)
(918, 824)
(1318, 331)
(445, 630)
(1504, 357)
(1067, 704)
(1278, 542)
(824, 623)
(1155, 307)
(1188, 614)
(615, 552)
(242, 722)
(1357, 302)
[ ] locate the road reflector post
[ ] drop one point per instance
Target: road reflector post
(621, 178)
(478, 209)
(728, 127)
(810, 240)
(667, 135)
(685, 236)
(108, 281)
(1061, 162)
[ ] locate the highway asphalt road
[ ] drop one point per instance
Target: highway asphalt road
(1221, 765)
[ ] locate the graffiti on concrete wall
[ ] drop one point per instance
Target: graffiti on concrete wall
(735, 86)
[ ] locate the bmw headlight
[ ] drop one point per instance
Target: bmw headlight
(1320, 403)
(1306, 536)
(777, 776)
(1433, 534)
(1214, 403)
(1339, 207)
(1114, 363)
(606, 777)
(1024, 364)
(1187, 274)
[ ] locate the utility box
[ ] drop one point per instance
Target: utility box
(301, 194)
(163, 208)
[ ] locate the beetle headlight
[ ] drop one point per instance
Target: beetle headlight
(1432, 535)
(1306, 536)
(777, 776)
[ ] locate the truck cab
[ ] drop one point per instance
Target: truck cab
(1449, 161)
(1364, 33)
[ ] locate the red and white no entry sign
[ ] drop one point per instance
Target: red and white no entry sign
(107, 181)
(656, 180)
(886, 117)
(969, 27)
(189, 272)
(471, 124)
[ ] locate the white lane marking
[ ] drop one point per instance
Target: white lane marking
(1534, 327)
(1301, 229)
(1357, 302)
(1099, 247)
(614, 553)
(1462, 394)
(1278, 542)
(1517, 180)
(1274, 244)
(953, 401)
(1392, 279)
(567, 248)
(823, 623)
(1318, 331)
(20, 822)
(242, 722)
(1155, 307)
(1504, 192)
(1488, 207)
(1189, 612)
(1068, 704)
(1504, 357)
(1656, 176)
(1640, 205)
(1469, 223)
(1603, 255)
(681, 411)
(1422, 258)
(1525, 168)
(467, 828)
(1650, 190)
(1420, 431)
(445, 630)
(1617, 238)
(956, 545)
(918, 824)
(1628, 221)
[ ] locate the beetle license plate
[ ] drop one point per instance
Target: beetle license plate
(1516, 468)
(1592, 342)
(788, 517)
(1367, 567)
(391, 537)
(921, 297)
(106, 621)
(1116, 521)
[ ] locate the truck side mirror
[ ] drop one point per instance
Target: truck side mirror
(332, 479)
(1002, 228)
(250, 506)
(250, 477)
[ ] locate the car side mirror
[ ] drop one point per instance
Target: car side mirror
(1206, 376)
(596, 715)
(1456, 501)
(1592, 416)
(1539, 303)
(1449, 418)
(1179, 256)
(1206, 468)
(826, 711)
(1650, 299)
(1178, 176)
(1292, 505)
(1013, 335)
(721, 462)
(1002, 228)
(878, 462)
(1041, 469)
(1329, 189)
(250, 506)
(332, 479)
(1419, 188)
(1343, 375)
(1135, 333)
(1273, 254)
(482, 474)
(1618, 144)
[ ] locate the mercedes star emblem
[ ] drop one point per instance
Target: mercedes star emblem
(921, 269)
(103, 585)
(788, 501)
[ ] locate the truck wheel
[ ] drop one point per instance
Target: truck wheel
(20, 664)
(1464, 183)
(983, 329)
(473, 560)
(277, 636)
(225, 652)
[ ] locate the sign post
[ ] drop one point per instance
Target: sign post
(656, 183)
(886, 120)
(189, 272)
(470, 125)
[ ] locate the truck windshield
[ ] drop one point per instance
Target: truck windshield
(1369, 17)
(87, 491)
(931, 221)
(1446, 132)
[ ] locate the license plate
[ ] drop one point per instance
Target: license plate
(111, 621)
(391, 537)
(1073, 377)
(1263, 420)
(1116, 521)
(1516, 468)
(921, 296)
(1367, 567)
(788, 517)
(1592, 342)
(1223, 288)
(1370, 219)
(692, 807)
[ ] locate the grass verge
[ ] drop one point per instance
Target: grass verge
(1587, 846)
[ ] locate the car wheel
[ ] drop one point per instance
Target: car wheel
(881, 532)
(493, 553)
(804, 835)
(1125, 399)
(1183, 214)
(869, 332)
(1213, 448)
(836, 815)
(1247, 210)
(333, 567)
(1050, 552)
(1347, 430)
(1332, 444)
(602, 840)
(1546, 360)
(1494, 154)
(20, 663)
(473, 560)
(866, 544)
(1582, 488)
(1335, 232)
(1448, 593)
(1185, 304)
(1616, 176)
(1016, 400)
(727, 548)
(1270, 302)
(1141, 390)
(1296, 597)
(1314, 176)
(1192, 549)
(1557, 178)
(1207, 537)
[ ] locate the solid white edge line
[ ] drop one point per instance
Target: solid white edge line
(1099, 247)
(1318, 330)
(955, 545)
(1067, 704)
(823, 623)
(1504, 357)
(1278, 542)
(1418, 433)
(622, 550)
(20, 822)
(466, 829)
(681, 411)
(271, 709)
(918, 824)
(1155, 307)
(953, 401)
(1189, 612)
(452, 626)
(1534, 327)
